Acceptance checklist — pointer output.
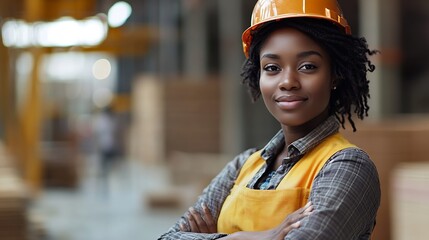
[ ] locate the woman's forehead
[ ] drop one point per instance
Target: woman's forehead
(289, 39)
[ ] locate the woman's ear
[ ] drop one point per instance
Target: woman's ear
(336, 81)
(334, 84)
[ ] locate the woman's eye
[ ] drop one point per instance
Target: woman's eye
(307, 67)
(271, 68)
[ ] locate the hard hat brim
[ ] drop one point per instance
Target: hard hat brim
(276, 10)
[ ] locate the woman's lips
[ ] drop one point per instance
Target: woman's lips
(290, 102)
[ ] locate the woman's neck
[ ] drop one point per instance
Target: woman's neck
(293, 133)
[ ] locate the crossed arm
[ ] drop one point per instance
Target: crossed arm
(203, 222)
(345, 198)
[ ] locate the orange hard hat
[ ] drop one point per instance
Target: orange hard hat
(270, 10)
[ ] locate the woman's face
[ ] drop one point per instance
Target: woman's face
(295, 78)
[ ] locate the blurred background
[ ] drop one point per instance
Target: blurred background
(114, 115)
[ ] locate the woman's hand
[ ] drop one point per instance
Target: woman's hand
(200, 222)
(292, 221)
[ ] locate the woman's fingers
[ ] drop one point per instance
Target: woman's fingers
(183, 228)
(287, 229)
(308, 211)
(305, 207)
(193, 224)
(297, 216)
(211, 224)
(199, 221)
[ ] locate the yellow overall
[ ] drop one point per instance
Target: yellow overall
(248, 209)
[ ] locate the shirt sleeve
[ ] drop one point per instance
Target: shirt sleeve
(213, 196)
(345, 196)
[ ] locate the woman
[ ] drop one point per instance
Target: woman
(308, 182)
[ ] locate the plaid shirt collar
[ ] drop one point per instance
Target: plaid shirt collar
(302, 145)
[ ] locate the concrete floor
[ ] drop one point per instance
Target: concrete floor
(106, 209)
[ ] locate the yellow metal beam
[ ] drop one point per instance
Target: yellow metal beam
(30, 117)
(31, 120)
(48, 10)
(77, 9)
(34, 10)
(22, 129)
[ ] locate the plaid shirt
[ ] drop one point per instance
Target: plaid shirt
(345, 193)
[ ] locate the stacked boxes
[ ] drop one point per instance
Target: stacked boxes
(13, 205)
(410, 198)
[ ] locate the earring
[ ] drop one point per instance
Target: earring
(335, 87)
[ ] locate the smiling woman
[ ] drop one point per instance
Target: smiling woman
(308, 182)
(295, 79)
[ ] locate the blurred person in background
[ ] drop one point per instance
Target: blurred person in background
(308, 182)
(105, 133)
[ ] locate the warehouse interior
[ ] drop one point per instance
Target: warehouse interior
(162, 77)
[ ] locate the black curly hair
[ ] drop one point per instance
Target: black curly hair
(350, 64)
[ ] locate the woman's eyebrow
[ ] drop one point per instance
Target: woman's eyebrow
(308, 53)
(299, 55)
(270, 55)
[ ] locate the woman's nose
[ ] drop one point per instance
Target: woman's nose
(289, 81)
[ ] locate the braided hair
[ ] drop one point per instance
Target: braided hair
(349, 63)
